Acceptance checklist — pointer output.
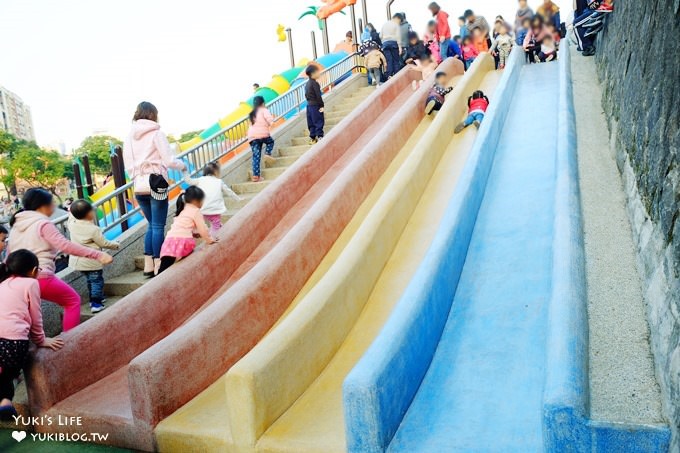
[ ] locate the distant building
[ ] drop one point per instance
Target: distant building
(101, 131)
(58, 146)
(15, 116)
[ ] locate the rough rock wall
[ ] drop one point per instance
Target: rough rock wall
(639, 67)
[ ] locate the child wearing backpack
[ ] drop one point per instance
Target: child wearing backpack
(20, 320)
(477, 105)
(375, 62)
(84, 232)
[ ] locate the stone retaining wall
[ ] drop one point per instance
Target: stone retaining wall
(639, 68)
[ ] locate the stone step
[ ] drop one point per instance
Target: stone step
(334, 117)
(230, 203)
(341, 110)
(298, 141)
(124, 284)
(139, 262)
(293, 150)
(86, 314)
(286, 161)
(273, 173)
(249, 187)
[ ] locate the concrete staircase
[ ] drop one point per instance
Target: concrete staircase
(285, 155)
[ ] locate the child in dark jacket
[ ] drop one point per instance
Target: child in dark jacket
(477, 105)
(315, 105)
(436, 98)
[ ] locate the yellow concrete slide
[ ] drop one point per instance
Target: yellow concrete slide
(285, 395)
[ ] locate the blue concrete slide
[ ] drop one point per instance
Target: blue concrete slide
(487, 349)
(483, 389)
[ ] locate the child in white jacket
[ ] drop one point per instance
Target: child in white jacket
(214, 188)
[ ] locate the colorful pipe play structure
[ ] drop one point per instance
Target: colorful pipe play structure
(333, 6)
(399, 288)
(277, 86)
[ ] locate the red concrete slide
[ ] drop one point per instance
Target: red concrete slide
(149, 354)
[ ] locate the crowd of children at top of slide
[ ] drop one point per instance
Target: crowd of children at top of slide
(28, 272)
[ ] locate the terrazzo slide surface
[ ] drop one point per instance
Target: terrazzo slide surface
(286, 394)
(208, 320)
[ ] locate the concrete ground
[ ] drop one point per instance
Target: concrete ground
(623, 387)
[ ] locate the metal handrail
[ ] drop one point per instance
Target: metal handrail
(226, 140)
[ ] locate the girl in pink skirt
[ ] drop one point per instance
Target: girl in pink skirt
(187, 225)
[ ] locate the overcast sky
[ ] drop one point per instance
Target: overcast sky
(83, 65)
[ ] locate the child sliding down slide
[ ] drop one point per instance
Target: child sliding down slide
(477, 105)
(436, 98)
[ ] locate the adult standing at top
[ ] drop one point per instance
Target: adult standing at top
(443, 32)
(478, 22)
(582, 17)
(375, 36)
(346, 45)
(404, 31)
(390, 36)
(147, 156)
(524, 11)
(550, 13)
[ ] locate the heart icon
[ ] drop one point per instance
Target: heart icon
(19, 435)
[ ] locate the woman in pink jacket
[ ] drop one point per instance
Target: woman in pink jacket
(146, 151)
(261, 121)
(20, 319)
(33, 230)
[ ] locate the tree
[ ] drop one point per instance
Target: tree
(36, 166)
(8, 144)
(185, 137)
(98, 151)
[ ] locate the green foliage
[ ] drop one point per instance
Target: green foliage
(98, 151)
(35, 166)
(7, 143)
(188, 136)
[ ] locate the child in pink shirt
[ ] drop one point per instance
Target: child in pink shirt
(20, 319)
(33, 230)
(469, 50)
(188, 224)
(261, 121)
